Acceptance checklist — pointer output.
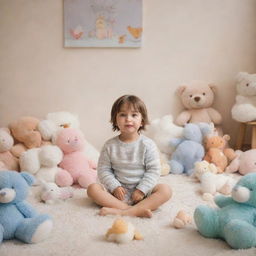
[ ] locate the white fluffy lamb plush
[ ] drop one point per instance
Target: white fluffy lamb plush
(162, 130)
(244, 109)
(56, 121)
(50, 193)
(211, 182)
(42, 162)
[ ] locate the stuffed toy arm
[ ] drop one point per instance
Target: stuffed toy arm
(26, 209)
(215, 116)
(223, 201)
(233, 166)
(174, 142)
(183, 118)
(92, 164)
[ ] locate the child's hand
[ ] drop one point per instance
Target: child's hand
(137, 196)
(119, 193)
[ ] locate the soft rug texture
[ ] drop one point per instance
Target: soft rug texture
(78, 230)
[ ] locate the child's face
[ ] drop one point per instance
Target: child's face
(128, 119)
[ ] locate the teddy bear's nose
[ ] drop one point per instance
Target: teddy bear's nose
(197, 98)
(2, 193)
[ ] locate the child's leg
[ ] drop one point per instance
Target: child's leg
(103, 198)
(160, 194)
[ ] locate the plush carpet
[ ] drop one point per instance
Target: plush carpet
(78, 230)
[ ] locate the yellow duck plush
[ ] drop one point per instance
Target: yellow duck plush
(122, 232)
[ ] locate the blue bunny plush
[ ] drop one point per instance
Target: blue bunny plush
(235, 220)
(189, 148)
(18, 219)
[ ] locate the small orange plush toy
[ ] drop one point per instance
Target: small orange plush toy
(216, 152)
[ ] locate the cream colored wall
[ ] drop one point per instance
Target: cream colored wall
(183, 40)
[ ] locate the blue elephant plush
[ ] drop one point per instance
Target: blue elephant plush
(18, 219)
(189, 148)
(235, 220)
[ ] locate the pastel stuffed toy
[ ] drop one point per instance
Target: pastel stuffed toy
(210, 181)
(181, 219)
(77, 168)
(234, 221)
(18, 219)
(162, 130)
(243, 163)
(189, 149)
(216, 152)
(7, 159)
(244, 109)
(42, 162)
(122, 232)
(57, 121)
(25, 132)
(197, 97)
(51, 193)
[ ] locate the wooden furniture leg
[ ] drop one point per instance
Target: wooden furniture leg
(241, 135)
(253, 136)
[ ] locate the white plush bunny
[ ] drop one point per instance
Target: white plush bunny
(211, 182)
(51, 193)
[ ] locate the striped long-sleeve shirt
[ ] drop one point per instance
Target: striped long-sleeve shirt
(129, 163)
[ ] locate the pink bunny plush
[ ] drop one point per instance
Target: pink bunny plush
(77, 168)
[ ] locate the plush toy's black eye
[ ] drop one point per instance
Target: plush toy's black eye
(204, 93)
(190, 96)
(247, 84)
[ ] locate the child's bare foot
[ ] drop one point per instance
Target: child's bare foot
(109, 211)
(146, 213)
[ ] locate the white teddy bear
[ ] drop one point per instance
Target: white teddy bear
(244, 109)
(162, 130)
(56, 121)
(211, 182)
(42, 162)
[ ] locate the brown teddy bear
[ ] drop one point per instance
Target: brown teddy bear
(24, 131)
(197, 97)
(216, 152)
(7, 160)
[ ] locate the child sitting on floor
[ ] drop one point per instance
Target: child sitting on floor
(129, 165)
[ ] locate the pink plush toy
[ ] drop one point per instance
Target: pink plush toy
(77, 168)
(244, 162)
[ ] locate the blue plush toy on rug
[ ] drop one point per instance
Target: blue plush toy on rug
(18, 219)
(235, 220)
(189, 148)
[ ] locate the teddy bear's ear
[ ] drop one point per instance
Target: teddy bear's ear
(181, 89)
(241, 75)
(5, 129)
(226, 137)
(213, 87)
(28, 178)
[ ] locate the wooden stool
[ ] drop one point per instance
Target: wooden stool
(242, 132)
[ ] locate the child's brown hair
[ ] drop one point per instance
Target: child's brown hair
(138, 105)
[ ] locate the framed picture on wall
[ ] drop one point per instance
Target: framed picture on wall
(102, 23)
